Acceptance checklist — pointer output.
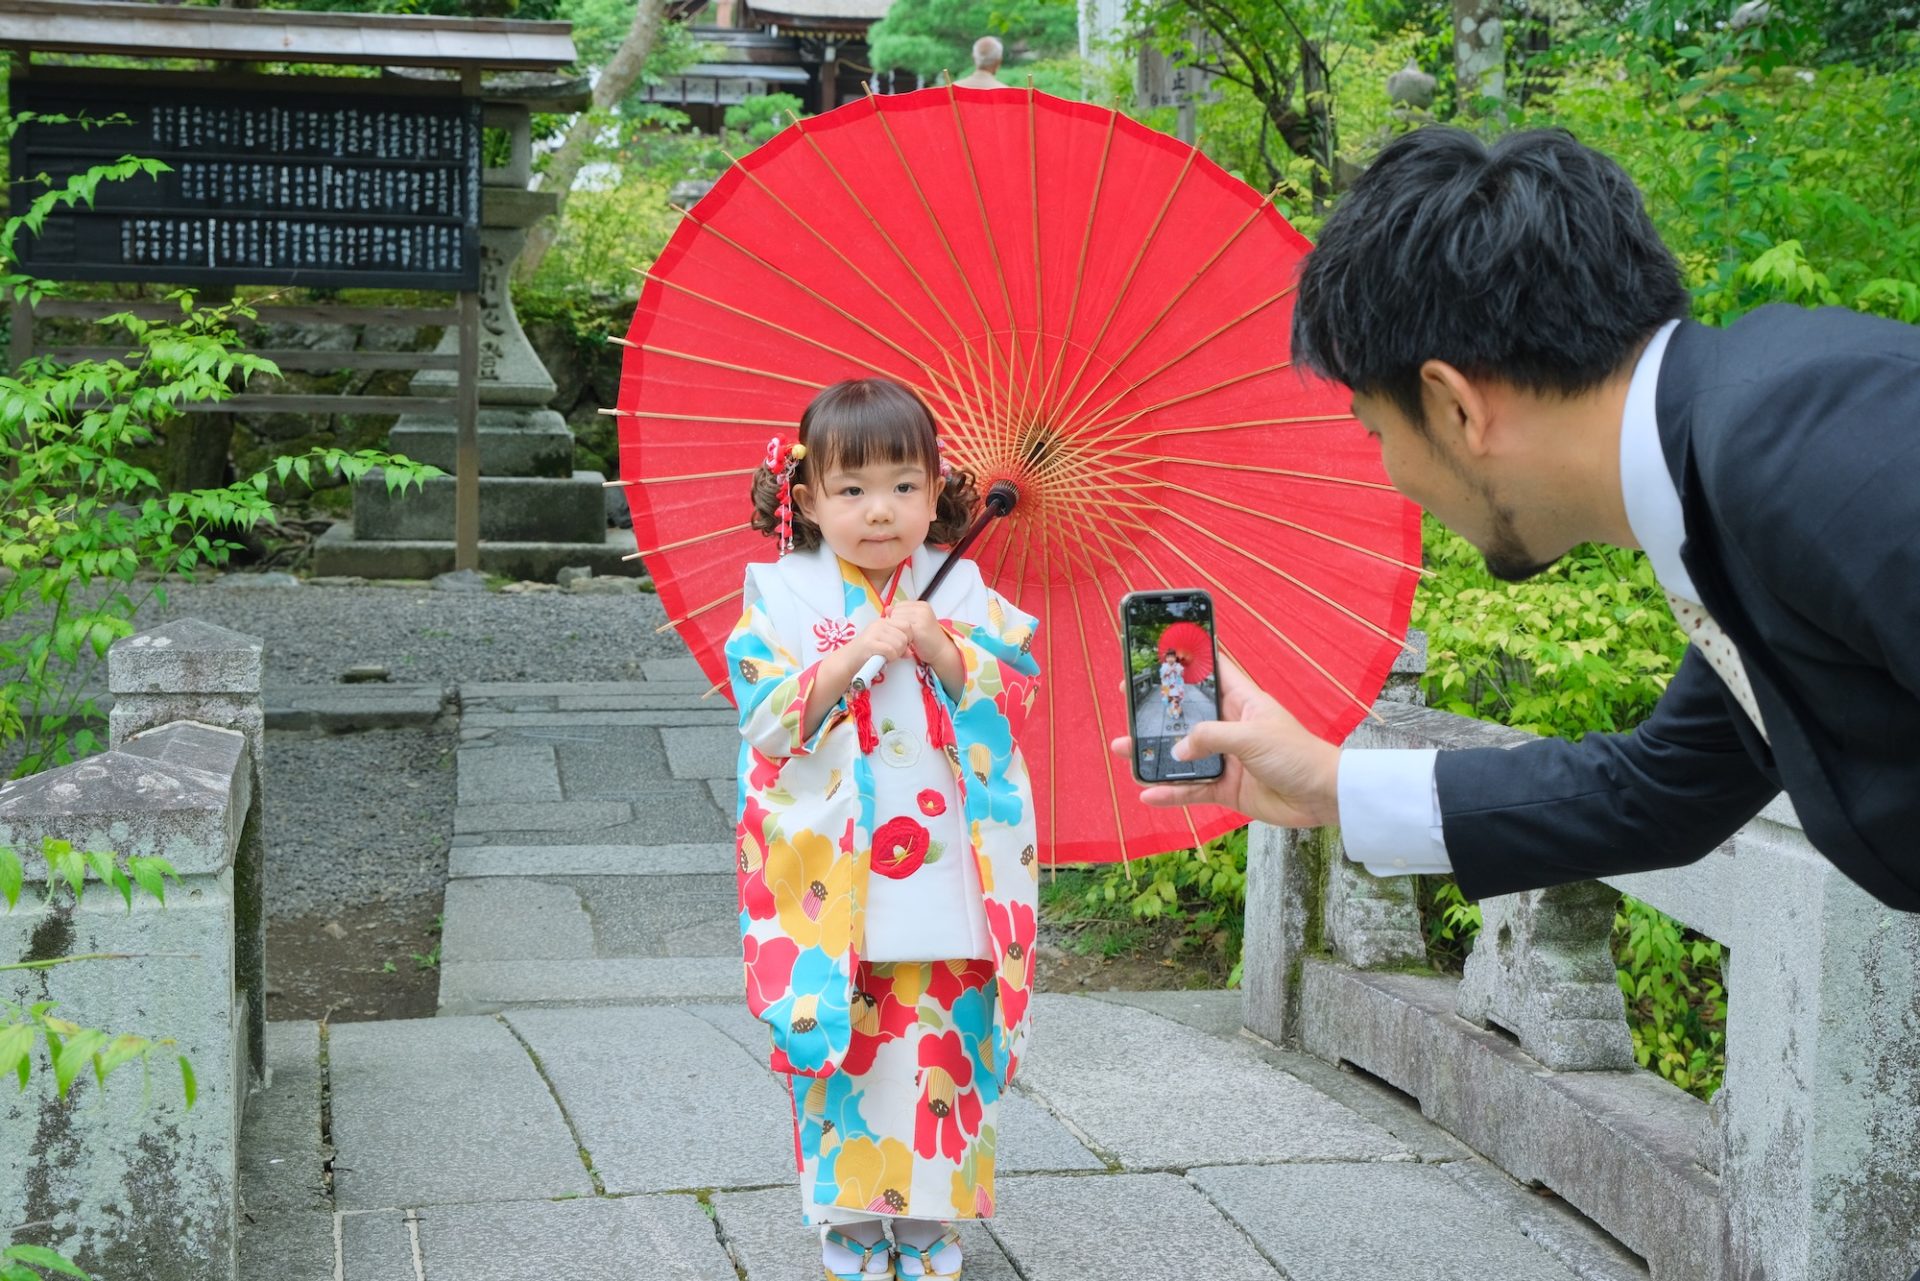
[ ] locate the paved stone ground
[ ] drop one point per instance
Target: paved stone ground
(593, 1102)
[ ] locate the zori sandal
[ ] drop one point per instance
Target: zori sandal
(927, 1257)
(866, 1253)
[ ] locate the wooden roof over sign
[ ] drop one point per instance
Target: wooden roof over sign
(262, 35)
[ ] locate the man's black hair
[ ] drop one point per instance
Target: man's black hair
(1532, 261)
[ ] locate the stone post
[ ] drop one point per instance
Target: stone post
(1304, 897)
(194, 671)
(130, 1182)
(1543, 969)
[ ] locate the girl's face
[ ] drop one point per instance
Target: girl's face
(873, 516)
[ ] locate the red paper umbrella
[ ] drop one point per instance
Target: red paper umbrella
(1095, 312)
(1191, 643)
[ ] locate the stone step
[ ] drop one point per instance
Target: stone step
(513, 441)
(557, 509)
(338, 553)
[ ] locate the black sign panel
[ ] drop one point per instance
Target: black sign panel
(296, 184)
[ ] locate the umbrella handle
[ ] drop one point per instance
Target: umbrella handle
(1002, 498)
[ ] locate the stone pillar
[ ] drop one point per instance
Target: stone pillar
(194, 671)
(130, 1182)
(537, 514)
(1821, 1107)
(1543, 969)
(1305, 898)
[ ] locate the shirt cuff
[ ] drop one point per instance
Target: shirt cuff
(1390, 811)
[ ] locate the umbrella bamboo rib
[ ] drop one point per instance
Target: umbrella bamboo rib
(1244, 376)
(1126, 282)
(1308, 530)
(696, 418)
(1135, 384)
(1298, 420)
(1193, 278)
(694, 475)
(1039, 287)
(1106, 549)
(986, 224)
(784, 331)
(727, 365)
(1284, 472)
(742, 527)
(835, 250)
(984, 419)
(1080, 268)
(1099, 717)
(940, 230)
(1271, 568)
(782, 274)
(711, 605)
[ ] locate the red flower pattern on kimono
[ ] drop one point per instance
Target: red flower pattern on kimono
(1019, 930)
(946, 981)
(881, 1014)
(769, 970)
(830, 634)
(932, 804)
(756, 896)
(899, 848)
(949, 1108)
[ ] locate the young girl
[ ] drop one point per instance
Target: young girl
(888, 872)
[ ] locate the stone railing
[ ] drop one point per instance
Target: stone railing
(128, 1180)
(1806, 1166)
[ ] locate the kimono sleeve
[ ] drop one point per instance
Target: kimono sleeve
(998, 654)
(770, 688)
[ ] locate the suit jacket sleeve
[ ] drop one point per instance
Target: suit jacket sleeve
(1553, 811)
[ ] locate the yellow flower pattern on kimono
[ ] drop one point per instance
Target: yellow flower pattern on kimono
(812, 891)
(874, 1175)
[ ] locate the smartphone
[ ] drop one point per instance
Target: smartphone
(1172, 665)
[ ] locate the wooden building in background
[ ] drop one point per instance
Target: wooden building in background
(815, 50)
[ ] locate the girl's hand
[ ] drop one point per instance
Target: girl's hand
(884, 638)
(929, 638)
(931, 644)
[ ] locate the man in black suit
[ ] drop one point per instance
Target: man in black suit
(1514, 334)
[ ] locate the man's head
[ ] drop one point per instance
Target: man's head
(987, 53)
(1476, 299)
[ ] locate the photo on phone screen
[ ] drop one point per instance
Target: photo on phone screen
(1172, 666)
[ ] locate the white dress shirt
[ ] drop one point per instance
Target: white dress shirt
(1390, 799)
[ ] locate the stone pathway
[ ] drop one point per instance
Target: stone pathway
(593, 1101)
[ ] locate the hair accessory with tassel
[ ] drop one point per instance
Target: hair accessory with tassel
(783, 459)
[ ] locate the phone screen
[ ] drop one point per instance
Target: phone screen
(1173, 683)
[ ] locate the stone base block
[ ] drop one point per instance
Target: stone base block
(338, 552)
(513, 442)
(570, 509)
(1631, 1152)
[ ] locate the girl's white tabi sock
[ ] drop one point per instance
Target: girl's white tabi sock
(922, 1233)
(838, 1258)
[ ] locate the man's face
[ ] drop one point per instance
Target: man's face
(1433, 467)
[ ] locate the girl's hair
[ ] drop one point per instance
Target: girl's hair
(852, 424)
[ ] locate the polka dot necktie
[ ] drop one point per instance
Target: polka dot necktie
(1719, 652)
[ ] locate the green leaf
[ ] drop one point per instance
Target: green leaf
(74, 1056)
(187, 1081)
(16, 1051)
(11, 876)
(41, 1257)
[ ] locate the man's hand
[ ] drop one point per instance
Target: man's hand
(1276, 771)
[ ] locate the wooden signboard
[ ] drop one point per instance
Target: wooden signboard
(314, 182)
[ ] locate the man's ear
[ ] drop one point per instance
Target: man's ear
(1457, 409)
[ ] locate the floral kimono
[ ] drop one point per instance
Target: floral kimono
(907, 1059)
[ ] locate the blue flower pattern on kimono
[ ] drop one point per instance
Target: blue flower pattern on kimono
(815, 1011)
(998, 797)
(973, 1009)
(839, 1116)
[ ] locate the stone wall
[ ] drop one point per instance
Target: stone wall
(1806, 1167)
(127, 1178)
